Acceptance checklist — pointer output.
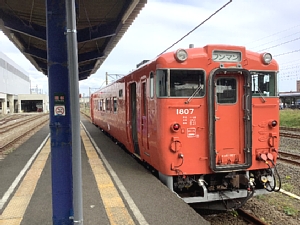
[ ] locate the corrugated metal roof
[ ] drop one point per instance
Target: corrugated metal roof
(100, 26)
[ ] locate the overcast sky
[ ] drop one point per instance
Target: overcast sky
(272, 26)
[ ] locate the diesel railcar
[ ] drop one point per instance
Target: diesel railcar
(206, 119)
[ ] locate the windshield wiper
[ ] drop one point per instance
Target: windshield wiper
(259, 91)
(193, 95)
(261, 95)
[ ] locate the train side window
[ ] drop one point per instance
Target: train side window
(120, 93)
(108, 104)
(151, 85)
(263, 83)
(144, 99)
(100, 104)
(104, 105)
(226, 90)
(115, 104)
(162, 83)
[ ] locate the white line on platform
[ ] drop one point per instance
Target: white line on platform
(21, 174)
(135, 210)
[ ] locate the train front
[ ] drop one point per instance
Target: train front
(218, 116)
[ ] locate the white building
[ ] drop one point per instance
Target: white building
(14, 81)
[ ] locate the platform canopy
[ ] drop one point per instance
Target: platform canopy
(100, 26)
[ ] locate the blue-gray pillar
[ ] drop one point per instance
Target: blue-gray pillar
(60, 118)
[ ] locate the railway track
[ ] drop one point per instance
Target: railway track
(289, 158)
(290, 129)
(289, 132)
(11, 118)
(250, 218)
(25, 129)
(240, 216)
(290, 135)
(7, 128)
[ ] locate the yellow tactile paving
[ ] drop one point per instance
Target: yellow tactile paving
(14, 211)
(11, 221)
(26, 188)
(117, 215)
(115, 208)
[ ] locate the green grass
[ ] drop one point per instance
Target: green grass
(288, 187)
(290, 210)
(290, 118)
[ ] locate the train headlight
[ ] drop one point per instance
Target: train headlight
(273, 123)
(181, 55)
(175, 127)
(266, 58)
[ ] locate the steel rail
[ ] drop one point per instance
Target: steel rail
(288, 157)
(16, 138)
(17, 124)
(250, 217)
(289, 128)
(290, 135)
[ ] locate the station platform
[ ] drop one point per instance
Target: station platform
(116, 188)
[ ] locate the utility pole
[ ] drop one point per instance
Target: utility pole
(111, 75)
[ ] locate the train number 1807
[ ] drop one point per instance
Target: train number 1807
(184, 111)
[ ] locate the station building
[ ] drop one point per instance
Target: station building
(291, 99)
(15, 92)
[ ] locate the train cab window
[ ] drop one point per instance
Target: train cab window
(151, 85)
(186, 83)
(115, 104)
(263, 83)
(182, 83)
(226, 90)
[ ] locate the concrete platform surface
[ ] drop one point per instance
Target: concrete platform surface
(116, 188)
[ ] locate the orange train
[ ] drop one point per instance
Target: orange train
(206, 119)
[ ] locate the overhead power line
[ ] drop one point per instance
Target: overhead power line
(274, 34)
(290, 62)
(197, 26)
(286, 53)
(283, 43)
(276, 40)
(293, 66)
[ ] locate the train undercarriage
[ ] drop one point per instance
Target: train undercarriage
(222, 191)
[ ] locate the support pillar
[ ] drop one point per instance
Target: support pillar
(4, 105)
(60, 116)
(10, 100)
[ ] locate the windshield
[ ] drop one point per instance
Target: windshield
(263, 83)
(180, 83)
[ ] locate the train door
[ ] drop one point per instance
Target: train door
(92, 107)
(133, 117)
(144, 122)
(230, 120)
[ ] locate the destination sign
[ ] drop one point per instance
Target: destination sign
(226, 56)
